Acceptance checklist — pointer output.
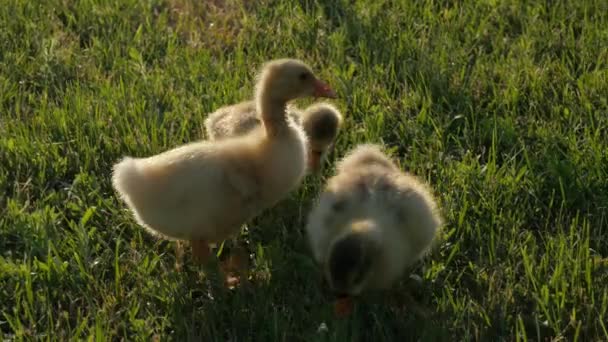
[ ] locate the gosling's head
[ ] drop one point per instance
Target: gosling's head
(321, 122)
(351, 259)
(289, 79)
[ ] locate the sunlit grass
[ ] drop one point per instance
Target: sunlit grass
(500, 106)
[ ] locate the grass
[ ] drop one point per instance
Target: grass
(500, 105)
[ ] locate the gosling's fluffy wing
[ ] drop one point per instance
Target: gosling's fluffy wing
(175, 191)
(415, 208)
(320, 227)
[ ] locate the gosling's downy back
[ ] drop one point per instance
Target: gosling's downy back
(365, 155)
(232, 121)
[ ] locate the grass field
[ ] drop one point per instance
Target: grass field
(500, 105)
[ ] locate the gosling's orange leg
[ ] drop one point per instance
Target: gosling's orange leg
(314, 160)
(179, 255)
(200, 251)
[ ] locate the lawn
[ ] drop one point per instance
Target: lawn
(501, 106)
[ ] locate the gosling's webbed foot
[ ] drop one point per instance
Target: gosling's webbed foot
(236, 268)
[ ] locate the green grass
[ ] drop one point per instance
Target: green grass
(501, 106)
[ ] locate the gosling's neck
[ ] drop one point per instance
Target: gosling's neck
(273, 113)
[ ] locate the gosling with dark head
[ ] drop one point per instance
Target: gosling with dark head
(371, 223)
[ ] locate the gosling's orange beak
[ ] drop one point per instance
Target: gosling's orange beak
(322, 89)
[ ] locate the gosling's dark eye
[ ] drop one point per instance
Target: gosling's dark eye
(303, 76)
